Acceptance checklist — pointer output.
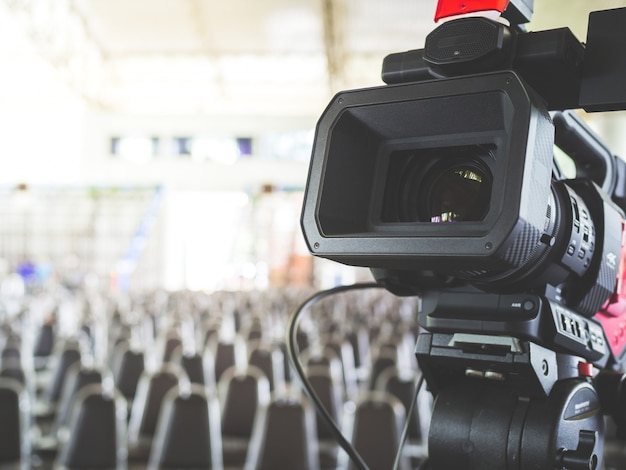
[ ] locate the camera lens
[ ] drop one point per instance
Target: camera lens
(443, 184)
(455, 191)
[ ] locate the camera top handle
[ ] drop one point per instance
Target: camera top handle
(593, 158)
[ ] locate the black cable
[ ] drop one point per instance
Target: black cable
(292, 354)
(405, 431)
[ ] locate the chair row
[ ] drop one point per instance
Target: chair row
(174, 423)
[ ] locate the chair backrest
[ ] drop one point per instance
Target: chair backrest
(342, 348)
(331, 396)
(222, 355)
(44, 344)
(128, 367)
(188, 432)
(376, 429)
(96, 431)
(269, 359)
(152, 388)
(166, 346)
(192, 363)
(12, 369)
(78, 376)
(10, 351)
(13, 443)
(327, 359)
(284, 436)
(403, 388)
(382, 361)
(359, 340)
(241, 392)
(69, 355)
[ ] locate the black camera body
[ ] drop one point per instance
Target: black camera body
(451, 181)
(444, 182)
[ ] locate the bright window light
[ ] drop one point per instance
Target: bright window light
(136, 149)
(220, 150)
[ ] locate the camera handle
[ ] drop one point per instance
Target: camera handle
(593, 158)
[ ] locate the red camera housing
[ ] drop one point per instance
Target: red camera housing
(613, 313)
(447, 8)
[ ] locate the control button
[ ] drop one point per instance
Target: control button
(581, 253)
(547, 239)
(585, 369)
(571, 250)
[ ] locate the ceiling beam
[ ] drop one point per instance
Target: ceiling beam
(333, 43)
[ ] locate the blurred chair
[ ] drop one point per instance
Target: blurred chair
(342, 349)
(330, 393)
(241, 393)
(192, 363)
(144, 414)
(288, 372)
(12, 369)
(380, 362)
(400, 342)
(68, 354)
(14, 425)
(402, 386)
(326, 358)
(166, 345)
(96, 432)
(302, 340)
(284, 436)
(188, 431)
(211, 332)
(11, 349)
(254, 330)
(44, 344)
(222, 355)
(78, 376)
(269, 359)
(375, 430)
(359, 340)
(128, 365)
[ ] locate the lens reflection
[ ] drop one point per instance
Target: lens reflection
(443, 184)
(458, 193)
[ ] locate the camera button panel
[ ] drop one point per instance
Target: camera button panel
(578, 334)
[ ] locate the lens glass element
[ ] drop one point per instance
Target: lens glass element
(457, 193)
(447, 184)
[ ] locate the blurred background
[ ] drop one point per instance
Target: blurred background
(164, 143)
(153, 158)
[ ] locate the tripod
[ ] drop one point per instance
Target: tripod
(502, 403)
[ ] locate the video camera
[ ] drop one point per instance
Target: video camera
(445, 183)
